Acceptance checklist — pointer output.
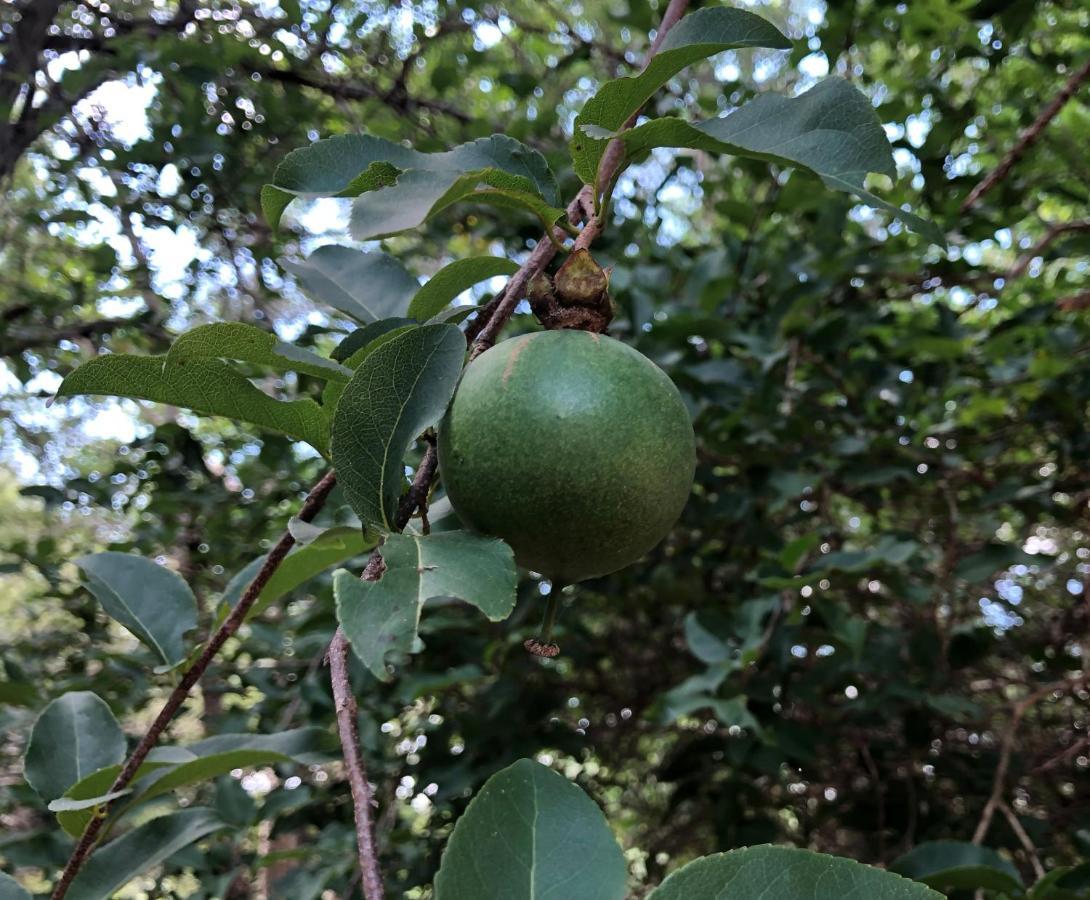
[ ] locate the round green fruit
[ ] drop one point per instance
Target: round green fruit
(574, 448)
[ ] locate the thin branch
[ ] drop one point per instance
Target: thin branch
(311, 506)
(362, 800)
(1029, 137)
(1024, 838)
(995, 800)
(1054, 231)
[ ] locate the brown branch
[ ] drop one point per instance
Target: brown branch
(1024, 839)
(995, 800)
(362, 800)
(311, 506)
(1054, 231)
(1028, 137)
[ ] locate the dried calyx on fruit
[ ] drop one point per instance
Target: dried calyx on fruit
(576, 297)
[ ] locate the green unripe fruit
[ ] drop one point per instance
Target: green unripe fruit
(574, 448)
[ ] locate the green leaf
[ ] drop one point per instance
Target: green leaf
(785, 873)
(383, 616)
(831, 130)
(10, 889)
(331, 395)
(74, 736)
(209, 387)
(248, 343)
(958, 865)
(697, 36)
(150, 600)
(120, 861)
(530, 834)
(361, 337)
(993, 558)
(450, 281)
(350, 165)
(169, 768)
(421, 194)
(18, 693)
(79, 803)
(366, 286)
(341, 166)
(333, 546)
(397, 392)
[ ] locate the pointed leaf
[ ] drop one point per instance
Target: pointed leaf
(397, 392)
(331, 395)
(786, 874)
(697, 36)
(366, 286)
(79, 803)
(831, 130)
(74, 736)
(349, 165)
(530, 834)
(248, 343)
(333, 546)
(420, 194)
(383, 616)
(958, 865)
(209, 387)
(150, 600)
(120, 861)
(363, 336)
(452, 280)
(342, 166)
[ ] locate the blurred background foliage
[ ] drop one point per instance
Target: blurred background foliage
(888, 544)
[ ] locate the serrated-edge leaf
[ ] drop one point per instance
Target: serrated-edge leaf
(248, 343)
(399, 390)
(695, 37)
(452, 280)
(209, 387)
(363, 336)
(331, 394)
(133, 590)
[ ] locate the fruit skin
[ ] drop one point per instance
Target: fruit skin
(574, 448)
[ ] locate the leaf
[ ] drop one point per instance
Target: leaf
(332, 393)
(421, 194)
(209, 387)
(10, 889)
(383, 616)
(695, 37)
(363, 336)
(247, 343)
(341, 166)
(75, 735)
(831, 130)
(150, 600)
(79, 803)
(993, 558)
(350, 165)
(174, 767)
(530, 834)
(950, 865)
(113, 866)
(785, 873)
(366, 286)
(452, 280)
(703, 644)
(397, 392)
(332, 546)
